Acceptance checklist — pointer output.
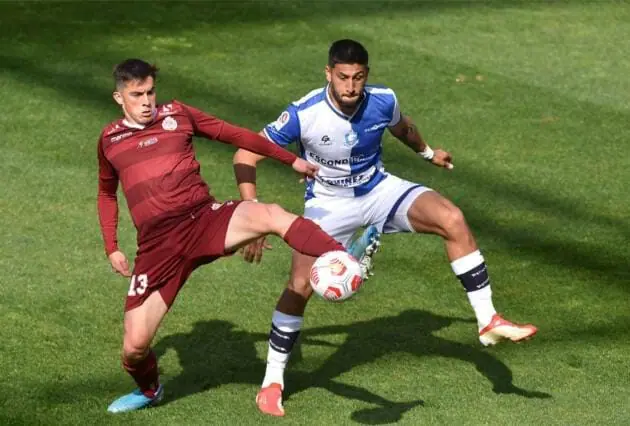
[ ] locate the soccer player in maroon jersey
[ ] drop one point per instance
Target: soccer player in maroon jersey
(180, 226)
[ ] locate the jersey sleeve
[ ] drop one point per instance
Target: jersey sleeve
(214, 128)
(204, 125)
(107, 201)
(396, 115)
(286, 129)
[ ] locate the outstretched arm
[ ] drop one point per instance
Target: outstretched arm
(407, 132)
(214, 128)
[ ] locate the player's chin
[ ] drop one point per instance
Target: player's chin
(144, 119)
(349, 102)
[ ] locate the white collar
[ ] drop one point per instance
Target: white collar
(132, 125)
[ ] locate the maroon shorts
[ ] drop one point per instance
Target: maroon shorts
(163, 263)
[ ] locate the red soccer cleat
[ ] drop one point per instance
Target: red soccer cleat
(500, 329)
(269, 400)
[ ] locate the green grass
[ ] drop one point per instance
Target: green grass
(530, 97)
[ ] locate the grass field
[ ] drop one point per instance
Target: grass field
(530, 97)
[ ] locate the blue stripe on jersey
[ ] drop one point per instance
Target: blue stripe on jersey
(313, 98)
(286, 129)
(368, 124)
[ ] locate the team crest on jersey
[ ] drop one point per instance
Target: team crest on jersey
(351, 139)
(169, 123)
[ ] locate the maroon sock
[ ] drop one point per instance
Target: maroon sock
(308, 238)
(145, 373)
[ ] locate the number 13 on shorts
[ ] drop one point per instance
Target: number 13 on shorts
(138, 285)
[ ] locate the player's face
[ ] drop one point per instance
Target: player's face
(137, 99)
(347, 82)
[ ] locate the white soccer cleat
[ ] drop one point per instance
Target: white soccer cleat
(500, 329)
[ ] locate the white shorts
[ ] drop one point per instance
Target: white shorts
(385, 206)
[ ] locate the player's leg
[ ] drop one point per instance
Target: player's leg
(339, 218)
(431, 213)
(286, 323)
(252, 220)
(157, 277)
(140, 326)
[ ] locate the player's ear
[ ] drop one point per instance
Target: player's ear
(328, 70)
(118, 97)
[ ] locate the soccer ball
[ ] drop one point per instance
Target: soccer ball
(336, 276)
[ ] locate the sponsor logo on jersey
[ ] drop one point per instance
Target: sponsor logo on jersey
(166, 109)
(147, 142)
(169, 123)
(325, 141)
(349, 181)
(351, 139)
(375, 127)
(338, 161)
(281, 121)
(120, 137)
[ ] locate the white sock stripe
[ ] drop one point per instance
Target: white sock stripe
(466, 263)
(286, 323)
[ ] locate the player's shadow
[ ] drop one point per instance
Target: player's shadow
(216, 353)
(412, 332)
(212, 354)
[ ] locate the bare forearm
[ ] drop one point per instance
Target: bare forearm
(245, 172)
(410, 135)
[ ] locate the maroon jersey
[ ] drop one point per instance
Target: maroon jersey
(157, 168)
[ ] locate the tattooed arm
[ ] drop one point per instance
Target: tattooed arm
(408, 133)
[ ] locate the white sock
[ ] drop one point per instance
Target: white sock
(277, 358)
(480, 300)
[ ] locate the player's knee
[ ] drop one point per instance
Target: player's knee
(135, 347)
(275, 217)
(301, 286)
(454, 222)
(275, 210)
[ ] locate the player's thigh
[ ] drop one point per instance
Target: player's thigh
(158, 275)
(434, 214)
(252, 220)
(141, 324)
(389, 203)
(338, 217)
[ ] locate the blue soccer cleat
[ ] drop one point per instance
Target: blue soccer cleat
(135, 400)
(364, 247)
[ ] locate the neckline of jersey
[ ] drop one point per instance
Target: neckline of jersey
(332, 106)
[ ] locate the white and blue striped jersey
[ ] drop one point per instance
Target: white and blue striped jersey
(346, 148)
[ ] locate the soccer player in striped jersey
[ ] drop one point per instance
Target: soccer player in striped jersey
(339, 128)
(180, 225)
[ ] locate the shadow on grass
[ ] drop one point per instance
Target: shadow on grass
(214, 353)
